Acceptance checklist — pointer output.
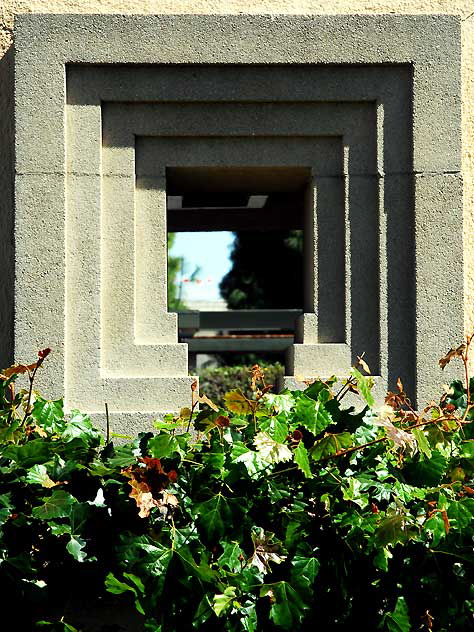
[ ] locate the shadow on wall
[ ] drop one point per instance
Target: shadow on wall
(7, 252)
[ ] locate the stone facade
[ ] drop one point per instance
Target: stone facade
(354, 103)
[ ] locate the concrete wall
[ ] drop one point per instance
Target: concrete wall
(463, 8)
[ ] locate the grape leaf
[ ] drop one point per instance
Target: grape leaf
(266, 550)
(302, 461)
(312, 415)
(231, 557)
(270, 450)
(364, 385)
(423, 445)
(163, 445)
(331, 445)
(237, 403)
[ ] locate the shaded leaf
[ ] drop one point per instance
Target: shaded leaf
(288, 608)
(331, 445)
(304, 571)
(266, 550)
(214, 516)
(56, 506)
(399, 619)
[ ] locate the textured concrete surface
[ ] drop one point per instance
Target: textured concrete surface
(462, 8)
(429, 43)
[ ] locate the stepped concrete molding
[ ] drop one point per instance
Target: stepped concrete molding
(107, 106)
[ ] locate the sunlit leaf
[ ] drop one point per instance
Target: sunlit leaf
(237, 403)
(423, 445)
(276, 428)
(364, 384)
(223, 601)
(266, 549)
(163, 445)
(75, 547)
(270, 450)
(302, 460)
(280, 403)
(312, 415)
(38, 474)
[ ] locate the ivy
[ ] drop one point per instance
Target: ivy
(270, 512)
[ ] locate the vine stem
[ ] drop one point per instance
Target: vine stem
(31, 378)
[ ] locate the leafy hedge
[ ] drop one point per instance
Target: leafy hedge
(278, 512)
(218, 381)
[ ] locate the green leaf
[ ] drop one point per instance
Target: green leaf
(276, 428)
(304, 571)
(312, 415)
(399, 619)
(75, 546)
(214, 516)
(29, 454)
(426, 472)
(251, 459)
(116, 587)
(467, 449)
(203, 612)
(282, 403)
(49, 414)
(302, 461)
(288, 608)
(163, 445)
(223, 601)
(364, 385)
(38, 475)
(215, 461)
(436, 527)
(330, 445)
(423, 445)
(80, 427)
(230, 556)
(56, 506)
(60, 529)
(461, 513)
(391, 530)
